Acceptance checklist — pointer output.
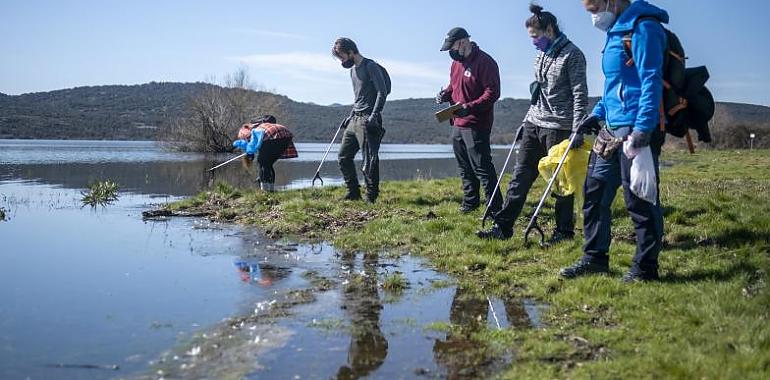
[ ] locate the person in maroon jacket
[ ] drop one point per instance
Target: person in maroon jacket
(474, 83)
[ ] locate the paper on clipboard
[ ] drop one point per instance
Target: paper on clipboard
(447, 113)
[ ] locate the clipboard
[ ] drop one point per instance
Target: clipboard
(447, 113)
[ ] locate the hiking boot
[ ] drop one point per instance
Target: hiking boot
(582, 268)
(496, 232)
(372, 199)
(466, 209)
(635, 275)
(559, 237)
(352, 196)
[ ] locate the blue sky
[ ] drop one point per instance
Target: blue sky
(49, 45)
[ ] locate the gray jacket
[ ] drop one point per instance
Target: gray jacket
(564, 90)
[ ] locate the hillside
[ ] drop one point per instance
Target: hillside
(139, 112)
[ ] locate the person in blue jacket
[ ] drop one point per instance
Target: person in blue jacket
(630, 110)
(267, 141)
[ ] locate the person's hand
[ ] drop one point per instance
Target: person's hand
(440, 97)
(639, 139)
(372, 120)
(250, 156)
(578, 142)
(463, 112)
(589, 126)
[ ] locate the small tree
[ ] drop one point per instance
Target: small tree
(215, 114)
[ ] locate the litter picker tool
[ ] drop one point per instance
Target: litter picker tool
(500, 178)
(226, 162)
(533, 226)
(317, 176)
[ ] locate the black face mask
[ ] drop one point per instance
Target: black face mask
(349, 63)
(455, 54)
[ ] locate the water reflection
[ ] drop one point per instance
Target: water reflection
(363, 305)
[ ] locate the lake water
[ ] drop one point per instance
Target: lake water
(82, 289)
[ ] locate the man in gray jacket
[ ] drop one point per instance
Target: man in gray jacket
(364, 129)
(559, 103)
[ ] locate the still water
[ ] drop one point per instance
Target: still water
(100, 293)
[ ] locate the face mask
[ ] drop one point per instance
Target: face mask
(348, 63)
(604, 20)
(542, 43)
(455, 54)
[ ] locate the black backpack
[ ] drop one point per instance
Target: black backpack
(387, 77)
(687, 103)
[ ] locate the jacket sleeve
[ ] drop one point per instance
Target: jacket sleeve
(378, 79)
(576, 66)
(256, 141)
(490, 80)
(649, 46)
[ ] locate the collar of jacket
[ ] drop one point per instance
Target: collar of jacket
(627, 20)
(557, 44)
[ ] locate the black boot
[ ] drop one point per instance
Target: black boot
(582, 268)
(636, 274)
(353, 194)
(559, 237)
(496, 232)
(467, 209)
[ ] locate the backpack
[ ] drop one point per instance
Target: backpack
(687, 103)
(386, 76)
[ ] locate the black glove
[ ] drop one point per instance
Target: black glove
(578, 142)
(440, 97)
(373, 119)
(463, 112)
(250, 156)
(346, 122)
(639, 139)
(589, 126)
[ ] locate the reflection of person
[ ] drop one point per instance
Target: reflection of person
(469, 313)
(559, 102)
(475, 84)
(368, 346)
(363, 128)
(630, 108)
(263, 273)
(269, 142)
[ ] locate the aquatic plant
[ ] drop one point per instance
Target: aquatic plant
(100, 193)
(395, 282)
(2, 214)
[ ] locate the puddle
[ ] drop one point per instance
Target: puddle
(341, 323)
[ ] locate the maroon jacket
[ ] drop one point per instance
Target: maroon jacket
(475, 82)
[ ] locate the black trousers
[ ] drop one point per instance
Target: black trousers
(604, 178)
(269, 153)
(474, 158)
(534, 145)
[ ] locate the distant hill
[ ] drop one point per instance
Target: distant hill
(139, 112)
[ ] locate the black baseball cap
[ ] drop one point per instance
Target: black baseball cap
(452, 37)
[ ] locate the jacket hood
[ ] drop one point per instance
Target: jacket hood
(637, 10)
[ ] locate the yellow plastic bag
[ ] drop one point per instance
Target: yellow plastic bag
(572, 175)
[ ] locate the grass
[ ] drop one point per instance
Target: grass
(100, 193)
(707, 318)
(395, 282)
(2, 214)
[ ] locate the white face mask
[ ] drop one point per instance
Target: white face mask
(604, 20)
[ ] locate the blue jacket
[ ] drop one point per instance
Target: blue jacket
(252, 146)
(632, 94)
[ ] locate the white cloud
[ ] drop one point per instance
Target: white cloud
(318, 71)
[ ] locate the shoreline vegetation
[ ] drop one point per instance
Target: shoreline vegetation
(706, 318)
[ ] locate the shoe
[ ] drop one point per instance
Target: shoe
(465, 209)
(635, 275)
(371, 199)
(559, 237)
(496, 232)
(582, 268)
(352, 197)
